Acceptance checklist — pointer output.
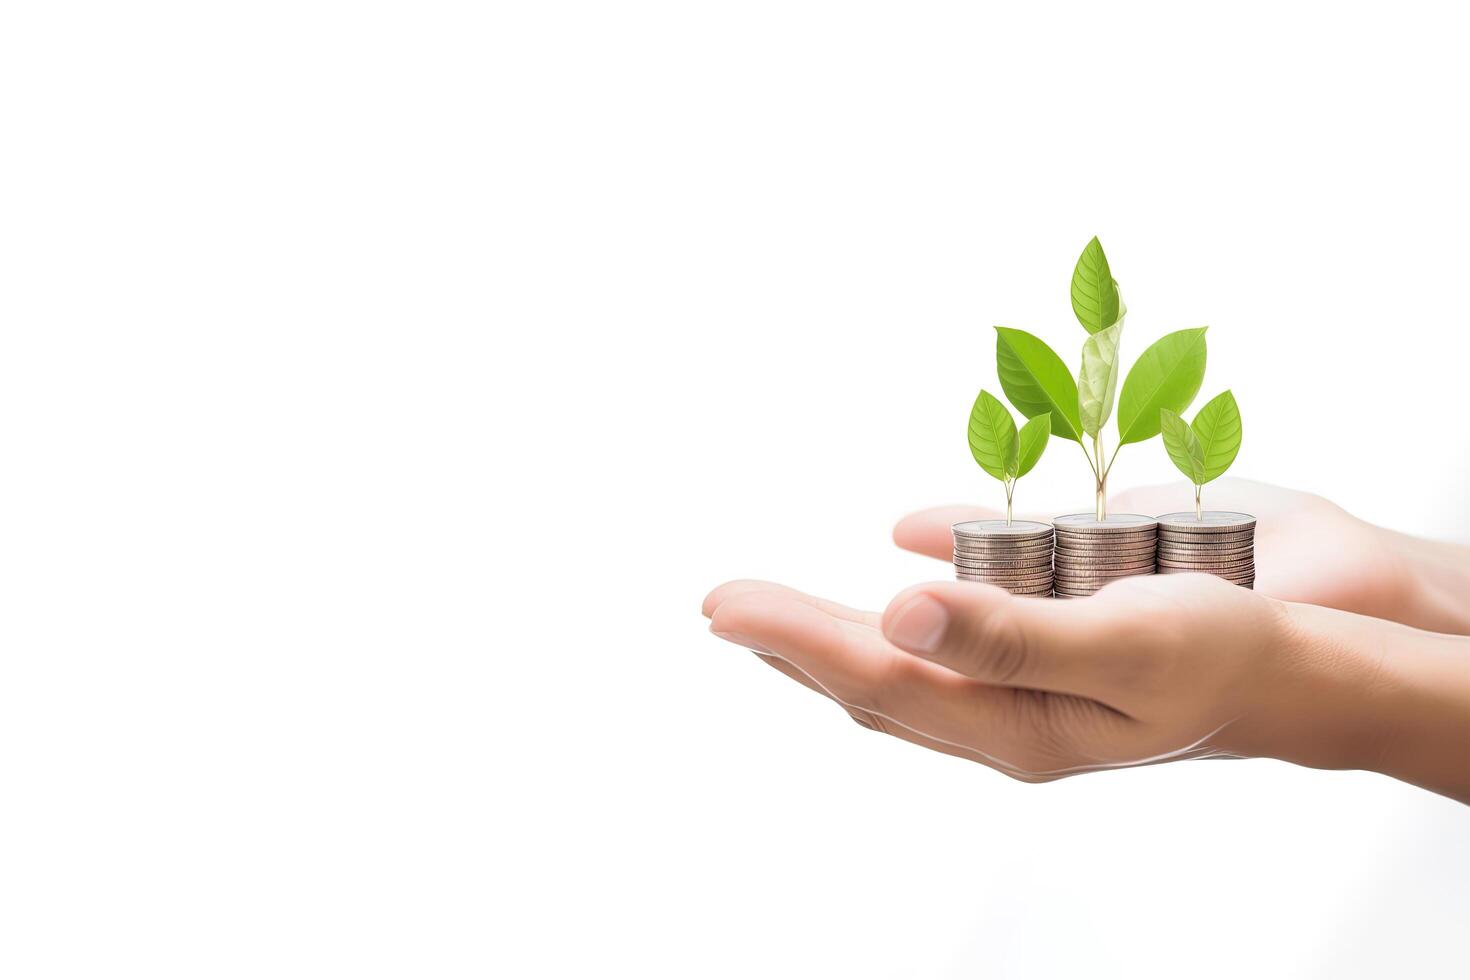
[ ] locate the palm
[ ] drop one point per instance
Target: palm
(1307, 548)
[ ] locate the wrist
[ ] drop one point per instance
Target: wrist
(1434, 582)
(1424, 701)
(1377, 696)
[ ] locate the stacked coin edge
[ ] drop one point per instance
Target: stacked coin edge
(1223, 544)
(1090, 554)
(1016, 557)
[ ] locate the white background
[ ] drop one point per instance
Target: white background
(383, 386)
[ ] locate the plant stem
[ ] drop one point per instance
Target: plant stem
(1102, 478)
(1087, 456)
(1198, 515)
(1010, 490)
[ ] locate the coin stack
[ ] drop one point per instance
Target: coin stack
(1091, 553)
(1219, 542)
(1015, 556)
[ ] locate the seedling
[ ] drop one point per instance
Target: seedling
(1166, 376)
(999, 449)
(1205, 448)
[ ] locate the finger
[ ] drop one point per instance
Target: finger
(887, 726)
(1013, 763)
(983, 632)
(747, 586)
(800, 676)
(857, 667)
(927, 532)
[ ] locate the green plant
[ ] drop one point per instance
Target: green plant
(1000, 450)
(1205, 448)
(1166, 376)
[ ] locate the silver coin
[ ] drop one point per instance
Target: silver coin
(1086, 553)
(1122, 547)
(1090, 578)
(1250, 574)
(1175, 548)
(1147, 547)
(1232, 559)
(1004, 579)
(1038, 560)
(1104, 569)
(1208, 563)
(1089, 524)
(1020, 572)
(1106, 541)
(1094, 561)
(1010, 586)
(1207, 541)
(1005, 559)
(1107, 544)
(1185, 520)
(1209, 566)
(1170, 548)
(1203, 533)
(1103, 575)
(998, 528)
(1003, 552)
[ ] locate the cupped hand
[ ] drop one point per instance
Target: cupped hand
(1307, 548)
(1150, 669)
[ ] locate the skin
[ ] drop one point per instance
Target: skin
(1357, 659)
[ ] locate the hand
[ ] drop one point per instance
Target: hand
(1151, 669)
(1307, 550)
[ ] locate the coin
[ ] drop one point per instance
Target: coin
(1169, 548)
(1128, 554)
(1036, 553)
(1211, 564)
(1041, 562)
(1089, 524)
(1015, 556)
(1099, 580)
(1209, 522)
(1207, 543)
(998, 528)
(1072, 571)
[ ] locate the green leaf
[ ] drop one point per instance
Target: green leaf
(1036, 380)
(992, 435)
(1032, 443)
(1167, 375)
(1183, 448)
(1094, 290)
(1013, 457)
(1098, 379)
(1217, 427)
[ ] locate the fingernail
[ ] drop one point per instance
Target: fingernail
(744, 641)
(919, 625)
